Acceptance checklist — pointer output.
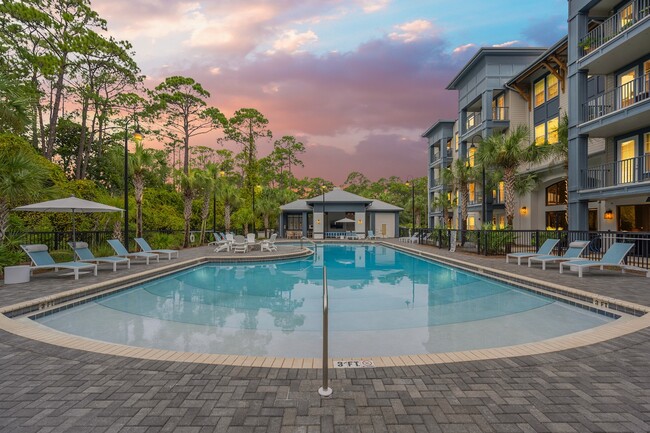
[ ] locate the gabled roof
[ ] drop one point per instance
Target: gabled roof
(337, 195)
(298, 205)
(440, 123)
(494, 51)
(378, 206)
(559, 48)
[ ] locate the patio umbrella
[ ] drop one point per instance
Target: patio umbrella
(70, 204)
(345, 221)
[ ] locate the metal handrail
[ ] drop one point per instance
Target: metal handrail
(620, 97)
(325, 390)
(631, 170)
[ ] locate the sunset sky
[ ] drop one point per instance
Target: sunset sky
(357, 81)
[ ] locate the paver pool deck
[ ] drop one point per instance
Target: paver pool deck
(602, 387)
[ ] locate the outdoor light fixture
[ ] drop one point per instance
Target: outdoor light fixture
(609, 215)
(523, 211)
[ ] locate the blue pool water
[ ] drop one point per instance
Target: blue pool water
(382, 302)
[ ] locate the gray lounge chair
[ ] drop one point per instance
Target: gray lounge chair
(144, 246)
(239, 244)
(544, 250)
(120, 251)
(85, 255)
(574, 251)
(613, 258)
(42, 259)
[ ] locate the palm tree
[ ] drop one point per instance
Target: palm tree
(140, 162)
(458, 177)
(206, 182)
(229, 196)
(267, 207)
(508, 152)
(189, 184)
(22, 176)
(444, 202)
(15, 103)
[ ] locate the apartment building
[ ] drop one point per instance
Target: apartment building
(609, 98)
(440, 140)
(487, 106)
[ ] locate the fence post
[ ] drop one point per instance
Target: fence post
(537, 239)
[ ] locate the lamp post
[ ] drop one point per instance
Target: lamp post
(255, 188)
(411, 182)
(137, 136)
(323, 188)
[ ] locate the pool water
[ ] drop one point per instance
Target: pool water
(382, 302)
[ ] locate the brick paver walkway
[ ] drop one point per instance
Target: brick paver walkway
(598, 388)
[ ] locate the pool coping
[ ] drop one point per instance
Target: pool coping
(27, 328)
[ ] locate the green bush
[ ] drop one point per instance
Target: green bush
(496, 241)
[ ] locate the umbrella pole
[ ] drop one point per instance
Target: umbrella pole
(74, 240)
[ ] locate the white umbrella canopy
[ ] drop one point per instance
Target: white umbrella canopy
(344, 220)
(71, 204)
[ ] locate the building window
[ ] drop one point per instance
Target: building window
(471, 153)
(626, 83)
(294, 222)
(540, 134)
(626, 15)
(471, 223)
(472, 192)
(556, 220)
(551, 127)
(539, 93)
(551, 87)
(646, 152)
(556, 194)
(499, 107)
(634, 217)
(456, 141)
(626, 154)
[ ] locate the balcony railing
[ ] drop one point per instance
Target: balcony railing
(501, 113)
(621, 97)
(627, 171)
(625, 18)
(473, 120)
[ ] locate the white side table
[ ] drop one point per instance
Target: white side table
(17, 274)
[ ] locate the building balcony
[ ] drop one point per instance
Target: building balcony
(437, 157)
(473, 120)
(624, 173)
(615, 42)
(500, 114)
(622, 109)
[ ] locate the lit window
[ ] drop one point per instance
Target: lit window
(501, 192)
(552, 127)
(540, 134)
(457, 142)
(472, 192)
(539, 93)
(471, 223)
(471, 152)
(646, 151)
(556, 194)
(626, 88)
(551, 87)
(626, 16)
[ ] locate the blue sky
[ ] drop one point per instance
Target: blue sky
(357, 81)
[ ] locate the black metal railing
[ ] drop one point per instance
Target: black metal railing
(631, 170)
(502, 242)
(623, 96)
(626, 17)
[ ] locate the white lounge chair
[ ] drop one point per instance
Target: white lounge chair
(269, 244)
(371, 235)
(84, 254)
(41, 259)
(544, 250)
(613, 258)
(144, 246)
(224, 243)
(120, 251)
(573, 252)
(239, 244)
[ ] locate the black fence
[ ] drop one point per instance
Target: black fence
(59, 240)
(502, 242)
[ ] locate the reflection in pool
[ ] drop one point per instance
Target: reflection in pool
(382, 302)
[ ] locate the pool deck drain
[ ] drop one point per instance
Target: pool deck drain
(29, 329)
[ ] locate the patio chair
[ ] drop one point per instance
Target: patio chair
(544, 250)
(371, 235)
(613, 258)
(269, 244)
(224, 243)
(144, 246)
(239, 244)
(84, 254)
(217, 238)
(575, 250)
(41, 259)
(120, 251)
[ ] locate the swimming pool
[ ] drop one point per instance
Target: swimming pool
(382, 303)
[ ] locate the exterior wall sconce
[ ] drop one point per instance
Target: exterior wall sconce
(609, 215)
(359, 222)
(318, 222)
(523, 211)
